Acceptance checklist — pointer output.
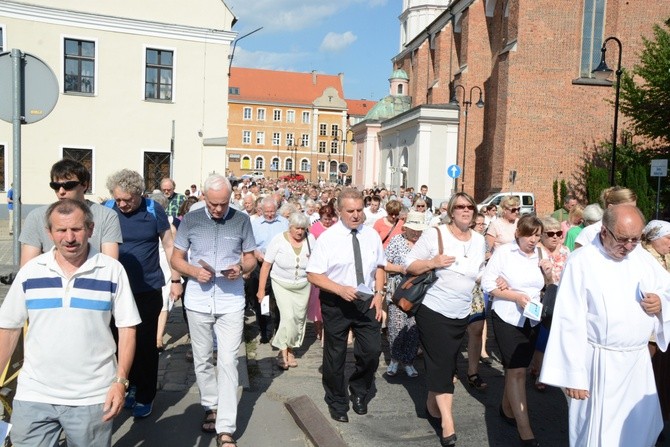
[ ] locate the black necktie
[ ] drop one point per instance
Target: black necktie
(358, 261)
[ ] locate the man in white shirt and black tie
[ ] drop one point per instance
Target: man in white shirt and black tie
(347, 264)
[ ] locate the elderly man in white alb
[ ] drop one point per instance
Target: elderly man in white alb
(610, 299)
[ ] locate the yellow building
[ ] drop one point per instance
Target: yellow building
(282, 123)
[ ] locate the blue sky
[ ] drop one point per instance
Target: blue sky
(354, 37)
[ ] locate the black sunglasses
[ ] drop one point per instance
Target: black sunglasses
(463, 207)
(68, 186)
(554, 233)
(514, 210)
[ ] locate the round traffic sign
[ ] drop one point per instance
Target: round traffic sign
(454, 171)
(39, 88)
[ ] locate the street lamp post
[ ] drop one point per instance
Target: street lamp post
(294, 154)
(343, 140)
(603, 72)
(467, 104)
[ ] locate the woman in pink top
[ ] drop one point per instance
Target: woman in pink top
(328, 218)
(391, 224)
(501, 231)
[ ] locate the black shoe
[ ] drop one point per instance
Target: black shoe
(358, 404)
(510, 420)
(529, 442)
(264, 340)
(339, 417)
(432, 419)
(448, 441)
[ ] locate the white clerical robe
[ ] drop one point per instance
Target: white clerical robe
(598, 342)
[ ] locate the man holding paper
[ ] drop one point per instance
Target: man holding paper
(612, 296)
(221, 245)
(347, 264)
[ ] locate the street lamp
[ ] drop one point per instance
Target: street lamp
(294, 154)
(467, 104)
(603, 72)
(343, 139)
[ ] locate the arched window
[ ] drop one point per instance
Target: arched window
(274, 164)
(304, 165)
(400, 89)
(246, 162)
(288, 164)
(260, 163)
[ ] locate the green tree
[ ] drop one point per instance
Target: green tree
(645, 93)
(554, 189)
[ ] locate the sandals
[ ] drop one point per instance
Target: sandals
(209, 423)
(476, 381)
(292, 363)
(221, 442)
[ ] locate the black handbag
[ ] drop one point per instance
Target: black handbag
(412, 288)
(548, 299)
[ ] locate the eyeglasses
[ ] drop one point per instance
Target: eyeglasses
(420, 206)
(623, 241)
(477, 224)
(463, 207)
(554, 233)
(514, 210)
(68, 186)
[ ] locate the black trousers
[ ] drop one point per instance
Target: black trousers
(250, 291)
(144, 372)
(338, 317)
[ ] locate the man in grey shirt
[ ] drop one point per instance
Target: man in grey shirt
(70, 180)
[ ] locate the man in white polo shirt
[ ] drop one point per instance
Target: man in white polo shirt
(70, 378)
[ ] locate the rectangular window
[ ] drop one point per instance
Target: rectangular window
(305, 117)
(158, 78)
(234, 91)
(333, 147)
(289, 139)
(276, 138)
(592, 36)
(156, 168)
(2, 39)
(323, 130)
(290, 116)
(246, 137)
(79, 66)
(305, 140)
(322, 147)
(260, 138)
(276, 115)
(260, 114)
(85, 157)
(321, 167)
(335, 129)
(246, 114)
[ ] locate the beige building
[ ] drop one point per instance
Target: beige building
(142, 85)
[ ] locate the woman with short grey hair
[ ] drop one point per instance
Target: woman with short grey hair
(285, 262)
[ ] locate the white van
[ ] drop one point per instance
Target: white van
(527, 200)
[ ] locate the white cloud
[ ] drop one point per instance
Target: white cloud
(267, 60)
(334, 42)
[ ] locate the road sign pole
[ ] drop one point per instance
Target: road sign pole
(658, 196)
(17, 81)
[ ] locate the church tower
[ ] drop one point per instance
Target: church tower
(417, 15)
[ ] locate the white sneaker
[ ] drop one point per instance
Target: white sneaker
(392, 369)
(411, 371)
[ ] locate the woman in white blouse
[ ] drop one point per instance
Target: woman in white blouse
(443, 315)
(520, 266)
(285, 262)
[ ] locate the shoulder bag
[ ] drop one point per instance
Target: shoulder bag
(548, 299)
(412, 288)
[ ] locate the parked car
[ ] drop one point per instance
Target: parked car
(527, 200)
(293, 178)
(257, 175)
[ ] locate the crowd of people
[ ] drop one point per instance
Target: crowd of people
(294, 253)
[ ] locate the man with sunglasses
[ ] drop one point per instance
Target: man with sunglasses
(70, 180)
(611, 297)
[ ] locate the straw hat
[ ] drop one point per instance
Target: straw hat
(415, 221)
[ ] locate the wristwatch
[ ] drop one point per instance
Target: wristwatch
(175, 281)
(121, 380)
